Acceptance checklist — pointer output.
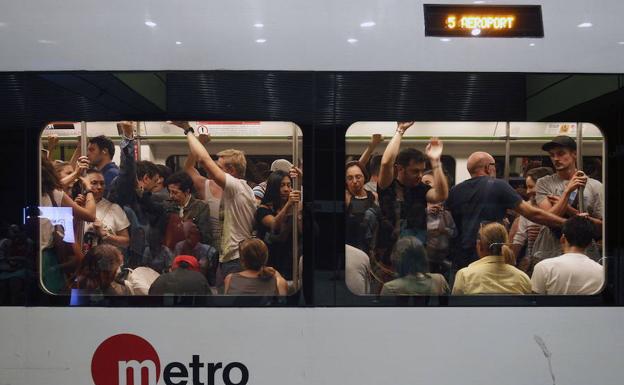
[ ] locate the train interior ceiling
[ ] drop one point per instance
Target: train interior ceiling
(323, 105)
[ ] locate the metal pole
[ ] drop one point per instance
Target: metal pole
(83, 151)
(579, 163)
(137, 138)
(295, 213)
(507, 150)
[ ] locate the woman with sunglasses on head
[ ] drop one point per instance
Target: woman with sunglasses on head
(256, 278)
(493, 272)
(274, 220)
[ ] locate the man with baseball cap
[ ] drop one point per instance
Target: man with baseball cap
(559, 194)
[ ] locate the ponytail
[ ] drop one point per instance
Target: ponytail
(510, 258)
(266, 273)
(494, 237)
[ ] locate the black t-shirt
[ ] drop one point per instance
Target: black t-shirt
(412, 213)
(477, 200)
(279, 245)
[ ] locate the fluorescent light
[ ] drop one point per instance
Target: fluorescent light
(621, 42)
(352, 40)
(476, 32)
(479, 2)
(178, 42)
(585, 25)
(259, 25)
(260, 40)
(368, 24)
(44, 41)
(150, 23)
(532, 45)
(445, 39)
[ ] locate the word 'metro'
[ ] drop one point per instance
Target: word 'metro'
(127, 359)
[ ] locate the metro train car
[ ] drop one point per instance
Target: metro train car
(309, 83)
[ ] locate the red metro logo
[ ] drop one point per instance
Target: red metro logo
(127, 359)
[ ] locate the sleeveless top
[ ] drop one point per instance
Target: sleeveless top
(252, 286)
(216, 214)
(355, 225)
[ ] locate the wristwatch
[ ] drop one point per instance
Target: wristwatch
(187, 130)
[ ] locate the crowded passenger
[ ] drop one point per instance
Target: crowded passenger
(100, 152)
(274, 219)
(493, 272)
(402, 196)
(362, 209)
(185, 278)
(255, 278)
(366, 162)
(483, 198)
(357, 271)
(111, 224)
(239, 203)
(410, 259)
(57, 255)
(559, 194)
(206, 255)
(209, 191)
(525, 232)
(183, 206)
(277, 165)
(99, 270)
(573, 272)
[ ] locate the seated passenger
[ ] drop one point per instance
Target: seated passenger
(410, 259)
(98, 270)
(491, 274)
(111, 224)
(256, 278)
(206, 255)
(573, 272)
(357, 271)
(184, 278)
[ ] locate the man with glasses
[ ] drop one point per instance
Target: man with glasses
(483, 198)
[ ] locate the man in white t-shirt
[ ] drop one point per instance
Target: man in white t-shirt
(239, 204)
(111, 224)
(573, 272)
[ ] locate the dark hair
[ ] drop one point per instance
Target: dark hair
(409, 256)
(164, 171)
(579, 231)
(182, 179)
(93, 170)
(410, 154)
(254, 255)
(98, 263)
(272, 193)
(374, 165)
(104, 143)
(145, 167)
(49, 178)
(539, 172)
(357, 164)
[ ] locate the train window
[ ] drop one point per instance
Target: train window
(527, 223)
(171, 208)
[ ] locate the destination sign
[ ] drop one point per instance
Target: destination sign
(483, 21)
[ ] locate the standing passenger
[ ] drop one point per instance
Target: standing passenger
(558, 194)
(361, 209)
(402, 197)
(483, 198)
(239, 204)
(100, 153)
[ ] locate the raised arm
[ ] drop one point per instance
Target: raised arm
(386, 170)
(202, 155)
(366, 155)
(275, 222)
(439, 192)
(199, 182)
(86, 213)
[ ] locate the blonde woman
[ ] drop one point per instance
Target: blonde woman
(493, 272)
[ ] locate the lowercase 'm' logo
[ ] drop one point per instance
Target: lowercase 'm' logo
(125, 359)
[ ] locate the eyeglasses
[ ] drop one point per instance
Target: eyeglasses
(356, 177)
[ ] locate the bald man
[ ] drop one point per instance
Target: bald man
(483, 198)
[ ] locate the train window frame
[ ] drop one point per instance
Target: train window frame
(215, 298)
(490, 299)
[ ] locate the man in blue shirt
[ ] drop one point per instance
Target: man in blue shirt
(100, 153)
